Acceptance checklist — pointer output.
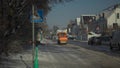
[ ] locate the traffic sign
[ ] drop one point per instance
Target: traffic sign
(38, 18)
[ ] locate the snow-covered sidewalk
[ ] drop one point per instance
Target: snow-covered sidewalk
(21, 60)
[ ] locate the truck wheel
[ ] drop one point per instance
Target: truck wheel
(58, 42)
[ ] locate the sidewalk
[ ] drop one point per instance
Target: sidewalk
(47, 41)
(18, 60)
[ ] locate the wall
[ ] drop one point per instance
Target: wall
(112, 19)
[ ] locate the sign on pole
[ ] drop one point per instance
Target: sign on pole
(37, 17)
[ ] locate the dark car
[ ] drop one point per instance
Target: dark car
(97, 41)
(105, 40)
(71, 37)
(102, 40)
(115, 40)
(91, 41)
(94, 40)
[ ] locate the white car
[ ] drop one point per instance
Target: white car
(92, 34)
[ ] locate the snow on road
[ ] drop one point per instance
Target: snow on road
(53, 55)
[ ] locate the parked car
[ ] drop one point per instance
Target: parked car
(91, 41)
(115, 40)
(94, 40)
(71, 37)
(105, 40)
(93, 34)
(97, 41)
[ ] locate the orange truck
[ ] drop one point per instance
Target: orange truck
(62, 38)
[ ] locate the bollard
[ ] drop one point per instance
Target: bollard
(36, 65)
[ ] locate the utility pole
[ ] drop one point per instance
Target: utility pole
(33, 34)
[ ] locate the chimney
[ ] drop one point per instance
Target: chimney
(103, 15)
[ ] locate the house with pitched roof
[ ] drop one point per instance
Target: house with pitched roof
(112, 16)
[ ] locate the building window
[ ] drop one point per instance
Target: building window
(118, 15)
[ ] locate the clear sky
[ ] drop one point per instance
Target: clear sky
(61, 14)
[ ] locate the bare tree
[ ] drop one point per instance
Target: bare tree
(14, 13)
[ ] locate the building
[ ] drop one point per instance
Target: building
(87, 22)
(80, 26)
(87, 25)
(112, 16)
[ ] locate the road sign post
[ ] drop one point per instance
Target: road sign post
(33, 37)
(36, 65)
(35, 19)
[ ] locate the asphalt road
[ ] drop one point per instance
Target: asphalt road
(72, 55)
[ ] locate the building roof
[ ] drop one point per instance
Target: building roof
(88, 15)
(110, 10)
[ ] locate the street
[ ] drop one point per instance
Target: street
(59, 34)
(75, 54)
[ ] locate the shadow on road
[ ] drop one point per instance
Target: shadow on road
(53, 48)
(100, 48)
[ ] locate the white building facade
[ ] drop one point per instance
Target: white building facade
(114, 18)
(112, 15)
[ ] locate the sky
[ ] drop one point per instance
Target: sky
(61, 14)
